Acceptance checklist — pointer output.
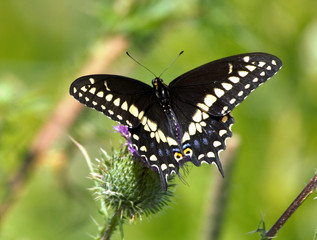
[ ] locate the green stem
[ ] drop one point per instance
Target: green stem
(113, 223)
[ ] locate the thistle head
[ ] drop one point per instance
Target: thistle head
(128, 187)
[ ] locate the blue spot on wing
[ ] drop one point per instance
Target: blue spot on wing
(196, 143)
(160, 152)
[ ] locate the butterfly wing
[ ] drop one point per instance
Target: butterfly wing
(132, 103)
(155, 141)
(120, 98)
(204, 135)
(219, 86)
(204, 97)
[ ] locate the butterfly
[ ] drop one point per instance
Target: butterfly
(185, 121)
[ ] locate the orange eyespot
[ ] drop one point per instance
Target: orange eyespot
(188, 151)
(178, 156)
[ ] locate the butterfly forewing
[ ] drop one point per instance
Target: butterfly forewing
(219, 86)
(122, 99)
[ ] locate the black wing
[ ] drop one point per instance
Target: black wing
(204, 97)
(204, 136)
(219, 86)
(134, 104)
(122, 99)
(155, 141)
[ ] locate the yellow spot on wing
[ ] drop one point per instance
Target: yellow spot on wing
(157, 137)
(227, 86)
(171, 141)
(162, 136)
(146, 128)
(210, 154)
(144, 120)
(106, 85)
(92, 90)
(234, 79)
(205, 115)
(100, 94)
(186, 137)
(224, 119)
(222, 132)
(203, 106)
(216, 143)
(209, 100)
(197, 116)
(92, 81)
(143, 148)
(219, 92)
(230, 68)
(153, 158)
(163, 166)
(134, 110)
(250, 67)
(152, 125)
(198, 127)
(124, 106)
(109, 97)
(141, 115)
(246, 58)
(261, 64)
(242, 73)
(192, 129)
(116, 102)
(84, 89)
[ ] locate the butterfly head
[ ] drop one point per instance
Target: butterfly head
(161, 90)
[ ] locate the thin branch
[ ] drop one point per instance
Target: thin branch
(310, 187)
(68, 109)
(62, 118)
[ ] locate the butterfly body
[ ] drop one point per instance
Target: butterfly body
(187, 120)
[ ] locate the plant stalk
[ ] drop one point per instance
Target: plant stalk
(310, 187)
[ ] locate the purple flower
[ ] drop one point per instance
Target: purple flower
(123, 130)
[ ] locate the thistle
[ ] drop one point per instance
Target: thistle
(126, 188)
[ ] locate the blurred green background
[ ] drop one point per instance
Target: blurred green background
(43, 47)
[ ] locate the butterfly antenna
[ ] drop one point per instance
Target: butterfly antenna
(171, 63)
(140, 63)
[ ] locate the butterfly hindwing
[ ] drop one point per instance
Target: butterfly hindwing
(120, 98)
(156, 143)
(219, 86)
(204, 135)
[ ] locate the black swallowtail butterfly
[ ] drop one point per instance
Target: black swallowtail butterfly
(188, 120)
